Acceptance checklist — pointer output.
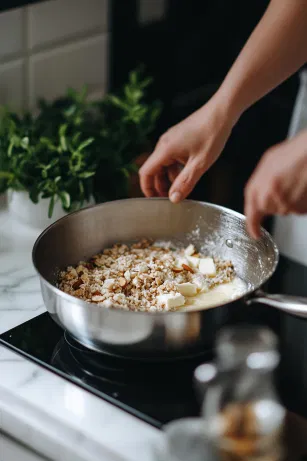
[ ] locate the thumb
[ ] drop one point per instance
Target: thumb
(186, 181)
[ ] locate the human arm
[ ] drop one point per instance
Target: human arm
(274, 51)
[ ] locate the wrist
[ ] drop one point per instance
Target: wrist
(228, 105)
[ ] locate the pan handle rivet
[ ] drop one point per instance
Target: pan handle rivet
(229, 243)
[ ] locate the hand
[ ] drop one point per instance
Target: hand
(279, 183)
(195, 143)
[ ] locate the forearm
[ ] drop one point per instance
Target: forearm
(276, 49)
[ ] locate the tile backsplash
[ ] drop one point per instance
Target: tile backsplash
(49, 46)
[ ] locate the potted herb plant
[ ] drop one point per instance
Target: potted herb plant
(75, 152)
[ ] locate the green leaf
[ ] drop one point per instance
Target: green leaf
(51, 207)
(24, 143)
(71, 110)
(65, 199)
(146, 82)
(83, 93)
(6, 175)
(81, 188)
(76, 137)
(15, 142)
(118, 102)
(85, 143)
(86, 174)
(53, 163)
(48, 143)
(125, 172)
(133, 77)
(34, 195)
(62, 132)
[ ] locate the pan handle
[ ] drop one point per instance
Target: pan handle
(295, 305)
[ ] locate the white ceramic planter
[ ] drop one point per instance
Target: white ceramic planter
(35, 215)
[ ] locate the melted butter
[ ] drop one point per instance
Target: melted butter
(221, 294)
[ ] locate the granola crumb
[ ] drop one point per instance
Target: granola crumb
(136, 277)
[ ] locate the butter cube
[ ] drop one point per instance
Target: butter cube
(187, 289)
(170, 301)
(200, 283)
(190, 250)
(179, 261)
(207, 266)
(193, 261)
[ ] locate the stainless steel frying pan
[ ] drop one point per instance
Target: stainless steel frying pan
(212, 228)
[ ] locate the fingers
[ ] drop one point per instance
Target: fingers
(173, 171)
(161, 184)
(153, 167)
(147, 177)
(263, 197)
(254, 217)
(186, 180)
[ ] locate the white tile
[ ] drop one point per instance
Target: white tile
(11, 33)
(57, 20)
(86, 62)
(11, 84)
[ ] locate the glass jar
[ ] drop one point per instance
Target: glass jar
(243, 415)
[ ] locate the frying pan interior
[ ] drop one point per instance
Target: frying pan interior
(212, 229)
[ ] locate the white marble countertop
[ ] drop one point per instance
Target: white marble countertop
(39, 408)
(13, 450)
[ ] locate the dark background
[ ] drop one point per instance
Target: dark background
(188, 53)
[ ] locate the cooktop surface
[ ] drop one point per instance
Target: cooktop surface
(161, 392)
(155, 392)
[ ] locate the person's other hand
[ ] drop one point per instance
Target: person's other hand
(278, 184)
(186, 151)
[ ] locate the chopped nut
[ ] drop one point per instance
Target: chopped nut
(135, 277)
(77, 284)
(85, 278)
(109, 284)
(89, 266)
(71, 274)
(187, 268)
(143, 267)
(122, 281)
(97, 299)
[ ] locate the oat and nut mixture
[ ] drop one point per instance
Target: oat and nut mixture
(144, 276)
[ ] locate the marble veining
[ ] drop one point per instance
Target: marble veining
(55, 417)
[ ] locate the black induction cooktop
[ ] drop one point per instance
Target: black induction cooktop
(161, 392)
(154, 392)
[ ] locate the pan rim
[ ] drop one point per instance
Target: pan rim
(80, 302)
